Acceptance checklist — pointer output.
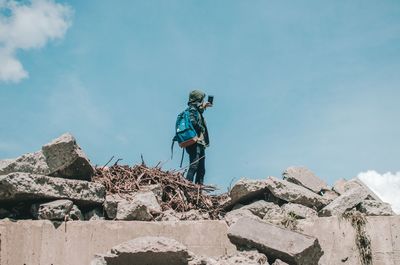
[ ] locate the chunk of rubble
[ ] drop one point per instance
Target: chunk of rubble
(193, 215)
(234, 215)
(274, 214)
(339, 186)
(75, 214)
(291, 192)
(140, 206)
(259, 208)
(55, 210)
(247, 190)
(25, 186)
(329, 195)
(376, 208)
(344, 202)
(304, 177)
(249, 257)
(275, 242)
(29, 163)
(356, 183)
(299, 211)
(94, 214)
(66, 159)
(146, 250)
(168, 215)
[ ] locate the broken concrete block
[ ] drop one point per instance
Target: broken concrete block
(250, 257)
(66, 159)
(304, 177)
(344, 202)
(355, 183)
(26, 186)
(291, 247)
(299, 211)
(147, 250)
(75, 214)
(168, 215)
(55, 210)
(259, 208)
(247, 190)
(140, 206)
(274, 215)
(94, 214)
(30, 163)
(291, 192)
(279, 262)
(376, 208)
(339, 186)
(193, 215)
(234, 215)
(329, 195)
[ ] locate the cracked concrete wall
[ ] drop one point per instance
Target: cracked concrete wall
(75, 243)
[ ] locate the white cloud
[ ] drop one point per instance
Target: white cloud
(386, 186)
(28, 26)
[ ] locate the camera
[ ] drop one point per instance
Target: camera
(210, 99)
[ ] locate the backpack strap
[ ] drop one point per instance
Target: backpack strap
(183, 153)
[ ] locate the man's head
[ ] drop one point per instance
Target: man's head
(196, 96)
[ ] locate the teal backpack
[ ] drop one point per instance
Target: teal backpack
(185, 134)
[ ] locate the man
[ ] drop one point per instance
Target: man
(197, 151)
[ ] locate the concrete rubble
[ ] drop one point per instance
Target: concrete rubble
(26, 186)
(304, 177)
(146, 250)
(140, 206)
(291, 192)
(273, 241)
(264, 217)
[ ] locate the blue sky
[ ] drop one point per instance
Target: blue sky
(312, 83)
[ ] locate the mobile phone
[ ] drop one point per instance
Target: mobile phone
(210, 99)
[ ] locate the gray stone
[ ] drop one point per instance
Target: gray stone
(259, 208)
(66, 159)
(75, 214)
(147, 250)
(247, 190)
(291, 192)
(344, 202)
(55, 210)
(304, 177)
(291, 247)
(139, 206)
(329, 195)
(233, 216)
(168, 215)
(279, 262)
(355, 183)
(26, 186)
(376, 208)
(193, 215)
(30, 163)
(299, 211)
(274, 214)
(339, 186)
(94, 214)
(251, 257)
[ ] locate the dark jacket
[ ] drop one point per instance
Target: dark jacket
(199, 124)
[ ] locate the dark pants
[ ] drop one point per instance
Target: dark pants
(197, 165)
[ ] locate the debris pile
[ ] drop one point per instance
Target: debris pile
(59, 183)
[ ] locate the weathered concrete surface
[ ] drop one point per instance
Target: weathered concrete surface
(355, 183)
(337, 238)
(148, 250)
(304, 177)
(344, 202)
(290, 192)
(247, 189)
(66, 159)
(75, 243)
(25, 186)
(55, 210)
(138, 206)
(259, 208)
(30, 163)
(299, 211)
(376, 208)
(273, 241)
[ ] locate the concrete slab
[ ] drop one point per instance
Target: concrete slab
(75, 243)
